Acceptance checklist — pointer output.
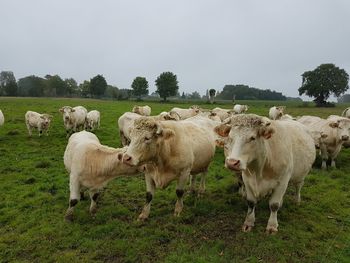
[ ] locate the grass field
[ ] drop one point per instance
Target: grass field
(34, 198)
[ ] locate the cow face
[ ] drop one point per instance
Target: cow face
(45, 120)
(66, 112)
(343, 129)
(244, 142)
(89, 125)
(146, 137)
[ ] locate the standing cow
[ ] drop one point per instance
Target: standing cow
(276, 112)
(238, 109)
(270, 154)
(170, 150)
(38, 121)
(142, 110)
(92, 120)
(73, 118)
(2, 118)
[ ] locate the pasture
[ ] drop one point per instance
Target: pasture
(34, 197)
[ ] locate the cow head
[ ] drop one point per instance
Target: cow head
(89, 124)
(136, 109)
(196, 109)
(45, 120)
(244, 139)
(343, 129)
(146, 137)
(66, 111)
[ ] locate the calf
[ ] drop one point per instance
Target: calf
(270, 154)
(336, 132)
(142, 110)
(39, 121)
(170, 151)
(73, 118)
(240, 108)
(91, 165)
(276, 112)
(92, 120)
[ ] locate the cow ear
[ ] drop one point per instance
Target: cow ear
(120, 156)
(220, 143)
(168, 133)
(60, 110)
(266, 130)
(72, 110)
(223, 130)
(323, 135)
(334, 125)
(42, 117)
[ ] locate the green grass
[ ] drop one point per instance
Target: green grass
(34, 198)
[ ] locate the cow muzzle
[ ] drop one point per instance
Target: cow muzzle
(233, 164)
(127, 159)
(345, 138)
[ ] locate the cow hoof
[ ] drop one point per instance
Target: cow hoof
(93, 211)
(271, 230)
(247, 228)
(69, 217)
(142, 217)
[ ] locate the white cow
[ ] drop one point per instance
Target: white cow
(222, 113)
(142, 110)
(270, 154)
(91, 165)
(2, 118)
(73, 118)
(182, 114)
(170, 150)
(92, 120)
(276, 112)
(240, 108)
(337, 131)
(38, 121)
(346, 113)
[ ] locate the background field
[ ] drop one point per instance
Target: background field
(34, 198)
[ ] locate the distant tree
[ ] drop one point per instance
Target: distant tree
(323, 81)
(195, 95)
(167, 85)
(55, 86)
(344, 99)
(32, 86)
(8, 84)
(183, 96)
(212, 95)
(71, 86)
(98, 86)
(139, 87)
(111, 92)
(84, 89)
(124, 94)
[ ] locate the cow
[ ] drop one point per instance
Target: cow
(238, 109)
(270, 154)
(142, 110)
(169, 150)
(2, 118)
(337, 131)
(35, 120)
(91, 165)
(182, 114)
(92, 120)
(73, 118)
(276, 112)
(126, 121)
(222, 113)
(346, 113)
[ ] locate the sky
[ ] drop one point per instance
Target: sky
(206, 43)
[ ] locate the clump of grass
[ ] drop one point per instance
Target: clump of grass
(30, 180)
(43, 164)
(13, 132)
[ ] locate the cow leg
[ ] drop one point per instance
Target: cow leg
(202, 184)
(275, 203)
(324, 156)
(93, 196)
(250, 217)
(150, 186)
(298, 187)
(29, 130)
(40, 133)
(192, 183)
(180, 192)
(74, 196)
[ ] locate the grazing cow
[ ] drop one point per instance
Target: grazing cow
(142, 110)
(73, 118)
(92, 120)
(38, 121)
(126, 122)
(170, 150)
(337, 131)
(346, 113)
(270, 154)
(2, 118)
(238, 109)
(222, 113)
(91, 165)
(276, 112)
(182, 114)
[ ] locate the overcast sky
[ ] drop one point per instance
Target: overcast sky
(206, 43)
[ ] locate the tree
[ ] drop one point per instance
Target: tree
(167, 85)
(84, 89)
(139, 87)
(71, 86)
(321, 82)
(111, 92)
(55, 86)
(8, 84)
(98, 86)
(32, 86)
(212, 95)
(195, 95)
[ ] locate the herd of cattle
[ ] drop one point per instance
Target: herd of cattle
(267, 154)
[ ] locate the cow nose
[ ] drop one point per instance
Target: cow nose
(66, 117)
(126, 158)
(345, 137)
(233, 164)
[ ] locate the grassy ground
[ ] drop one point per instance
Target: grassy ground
(34, 198)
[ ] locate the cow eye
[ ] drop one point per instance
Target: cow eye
(147, 139)
(252, 138)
